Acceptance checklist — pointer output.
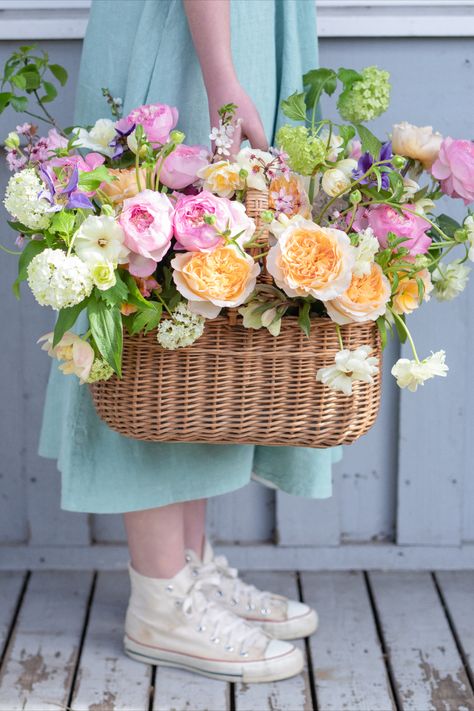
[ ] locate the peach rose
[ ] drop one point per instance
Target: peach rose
(406, 298)
(418, 142)
(365, 299)
(124, 186)
(310, 260)
(212, 280)
(288, 196)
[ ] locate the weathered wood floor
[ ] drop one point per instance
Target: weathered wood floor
(386, 641)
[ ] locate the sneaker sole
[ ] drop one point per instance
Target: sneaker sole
(296, 628)
(275, 669)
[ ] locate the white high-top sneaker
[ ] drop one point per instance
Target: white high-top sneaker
(280, 617)
(172, 623)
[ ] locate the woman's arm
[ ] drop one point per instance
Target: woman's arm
(209, 23)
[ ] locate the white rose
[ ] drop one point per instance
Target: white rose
(417, 142)
(334, 182)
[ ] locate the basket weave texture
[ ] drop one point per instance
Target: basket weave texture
(241, 386)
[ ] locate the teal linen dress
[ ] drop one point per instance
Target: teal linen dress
(142, 51)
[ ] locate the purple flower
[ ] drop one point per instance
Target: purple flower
(366, 162)
(64, 197)
(16, 161)
(123, 128)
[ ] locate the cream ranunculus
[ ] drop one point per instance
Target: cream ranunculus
(417, 142)
(365, 299)
(222, 178)
(103, 275)
(309, 260)
(334, 182)
(98, 138)
(224, 277)
(99, 239)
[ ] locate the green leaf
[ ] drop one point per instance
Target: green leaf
(383, 331)
(447, 224)
(400, 330)
(304, 320)
(66, 320)
(106, 327)
(59, 72)
(30, 251)
(51, 92)
(295, 107)
(421, 288)
(147, 320)
(91, 180)
(5, 97)
(19, 227)
(63, 222)
(117, 294)
(397, 185)
(19, 103)
(347, 133)
(370, 143)
(317, 81)
(135, 297)
(31, 76)
(348, 77)
(19, 80)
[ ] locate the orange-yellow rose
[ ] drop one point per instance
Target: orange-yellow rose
(365, 299)
(124, 186)
(212, 280)
(288, 196)
(310, 260)
(406, 298)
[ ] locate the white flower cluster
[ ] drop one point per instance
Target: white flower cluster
(449, 280)
(23, 202)
(223, 137)
(366, 249)
(349, 366)
(182, 330)
(58, 280)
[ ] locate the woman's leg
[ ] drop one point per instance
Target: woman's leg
(195, 525)
(156, 540)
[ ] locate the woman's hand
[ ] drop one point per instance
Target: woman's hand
(209, 23)
(248, 124)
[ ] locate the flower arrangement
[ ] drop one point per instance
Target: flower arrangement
(126, 222)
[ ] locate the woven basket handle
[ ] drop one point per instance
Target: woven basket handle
(256, 201)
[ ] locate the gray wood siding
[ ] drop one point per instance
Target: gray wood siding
(408, 482)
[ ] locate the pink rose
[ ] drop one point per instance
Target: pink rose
(157, 121)
(180, 167)
(384, 219)
(454, 168)
(146, 220)
(196, 235)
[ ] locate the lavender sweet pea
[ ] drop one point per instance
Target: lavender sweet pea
(365, 163)
(64, 197)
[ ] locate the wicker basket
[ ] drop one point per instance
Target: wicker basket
(241, 386)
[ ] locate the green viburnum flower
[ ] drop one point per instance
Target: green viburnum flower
(367, 98)
(304, 150)
(100, 371)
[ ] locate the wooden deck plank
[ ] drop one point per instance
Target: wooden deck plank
(347, 658)
(428, 670)
(10, 588)
(42, 653)
(107, 679)
(292, 694)
(181, 690)
(458, 592)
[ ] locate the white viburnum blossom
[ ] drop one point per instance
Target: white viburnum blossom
(411, 373)
(100, 238)
(182, 330)
(23, 202)
(349, 366)
(449, 280)
(365, 251)
(222, 136)
(98, 138)
(469, 226)
(58, 280)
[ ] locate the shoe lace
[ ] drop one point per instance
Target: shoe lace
(240, 590)
(224, 626)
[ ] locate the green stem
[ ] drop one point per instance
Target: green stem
(137, 169)
(8, 251)
(339, 336)
(164, 304)
(408, 334)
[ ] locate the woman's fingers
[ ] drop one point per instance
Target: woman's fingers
(236, 140)
(255, 133)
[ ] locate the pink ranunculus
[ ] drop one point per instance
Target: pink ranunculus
(454, 168)
(384, 219)
(146, 220)
(55, 140)
(181, 166)
(193, 232)
(355, 149)
(157, 121)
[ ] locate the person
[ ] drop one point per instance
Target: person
(188, 608)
